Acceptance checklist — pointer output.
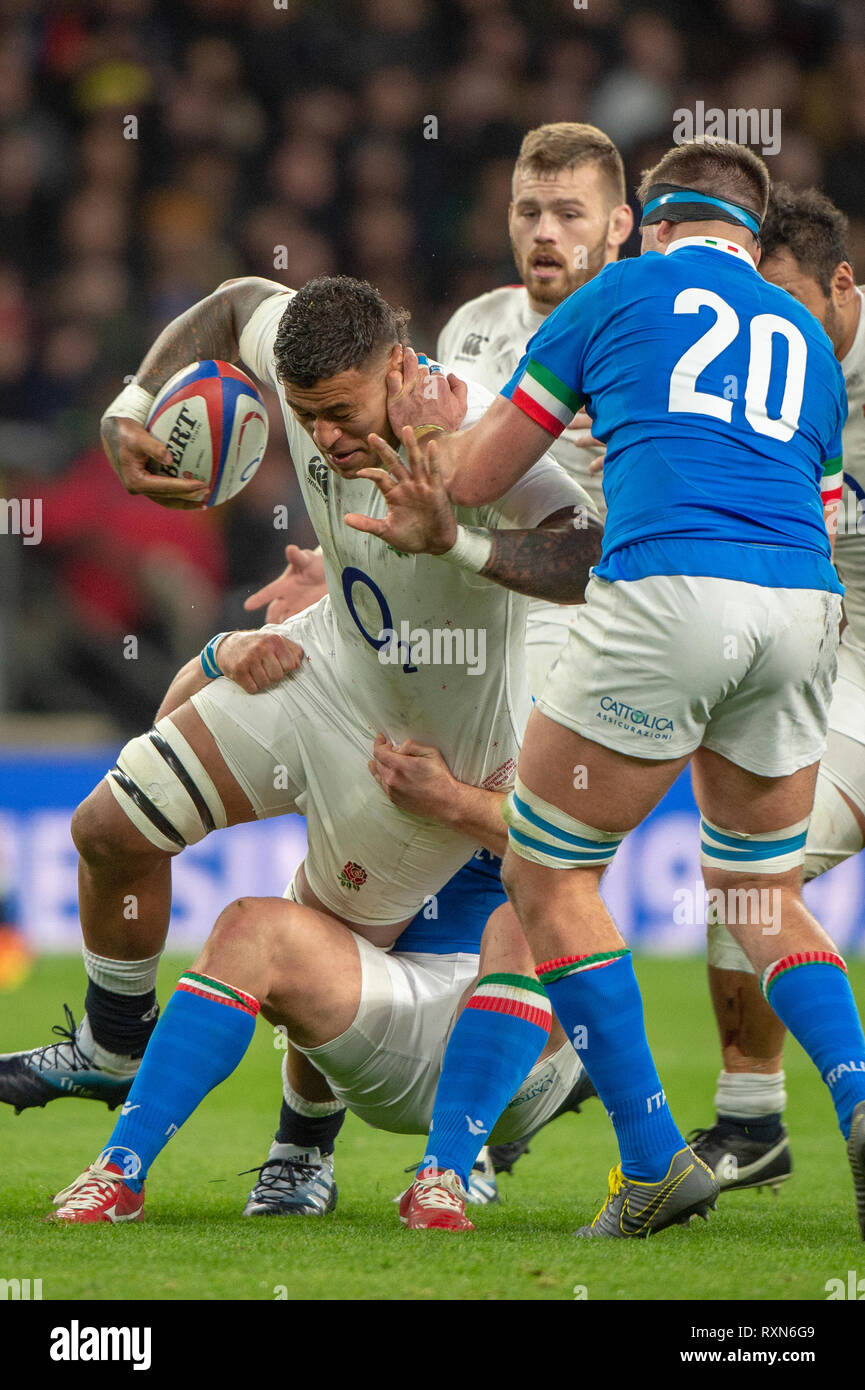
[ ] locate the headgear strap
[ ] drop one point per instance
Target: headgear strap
(669, 202)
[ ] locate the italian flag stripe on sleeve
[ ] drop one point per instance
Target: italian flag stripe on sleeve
(541, 395)
(832, 482)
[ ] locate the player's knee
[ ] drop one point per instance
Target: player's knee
(281, 929)
(103, 835)
(241, 923)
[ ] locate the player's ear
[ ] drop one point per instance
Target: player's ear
(663, 232)
(620, 225)
(843, 283)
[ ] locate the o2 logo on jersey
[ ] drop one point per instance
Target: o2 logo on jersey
(763, 329)
(352, 576)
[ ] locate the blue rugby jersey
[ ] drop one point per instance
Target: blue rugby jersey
(461, 910)
(721, 403)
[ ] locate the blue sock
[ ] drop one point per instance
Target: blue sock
(198, 1041)
(495, 1042)
(597, 1001)
(811, 995)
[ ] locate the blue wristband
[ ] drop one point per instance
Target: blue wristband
(208, 657)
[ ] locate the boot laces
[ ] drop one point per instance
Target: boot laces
(615, 1184)
(67, 1051)
(278, 1173)
(89, 1190)
(440, 1192)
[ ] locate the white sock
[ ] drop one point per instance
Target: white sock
(750, 1095)
(114, 1062)
(312, 1108)
(122, 976)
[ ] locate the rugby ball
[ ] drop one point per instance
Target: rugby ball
(213, 419)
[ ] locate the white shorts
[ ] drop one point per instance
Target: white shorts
(297, 748)
(548, 627)
(386, 1066)
(844, 760)
(656, 667)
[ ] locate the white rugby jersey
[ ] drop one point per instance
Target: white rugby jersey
(487, 337)
(455, 675)
(850, 537)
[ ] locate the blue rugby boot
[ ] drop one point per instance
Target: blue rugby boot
(74, 1067)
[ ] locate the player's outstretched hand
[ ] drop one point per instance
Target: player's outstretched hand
(133, 452)
(419, 393)
(258, 660)
(420, 518)
(301, 583)
(415, 777)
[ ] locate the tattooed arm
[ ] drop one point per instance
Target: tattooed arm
(552, 561)
(210, 329)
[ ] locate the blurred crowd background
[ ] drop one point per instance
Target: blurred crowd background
(150, 150)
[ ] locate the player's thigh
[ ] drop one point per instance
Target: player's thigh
(733, 798)
(600, 786)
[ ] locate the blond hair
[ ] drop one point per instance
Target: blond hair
(548, 149)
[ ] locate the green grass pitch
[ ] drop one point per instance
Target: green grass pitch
(193, 1243)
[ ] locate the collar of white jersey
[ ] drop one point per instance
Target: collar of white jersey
(714, 243)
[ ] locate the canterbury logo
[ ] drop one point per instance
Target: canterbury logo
(648, 1213)
(317, 474)
(473, 344)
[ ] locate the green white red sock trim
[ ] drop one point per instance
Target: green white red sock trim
(780, 967)
(517, 995)
(551, 970)
(208, 988)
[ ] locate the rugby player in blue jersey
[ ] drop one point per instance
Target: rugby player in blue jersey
(708, 636)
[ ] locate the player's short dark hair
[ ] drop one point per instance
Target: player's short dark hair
(808, 225)
(720, 167)
(332, 324)
(548, 149)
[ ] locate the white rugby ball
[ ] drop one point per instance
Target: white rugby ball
(213, 419)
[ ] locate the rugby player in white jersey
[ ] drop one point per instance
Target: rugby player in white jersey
(237, 751)
(567, 219)
(804, 240)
